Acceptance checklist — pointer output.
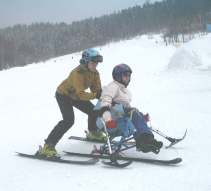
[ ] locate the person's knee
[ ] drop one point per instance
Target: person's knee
(69, 122)
(66, 124)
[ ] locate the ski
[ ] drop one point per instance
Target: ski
(91, 141)
(126, 158)
(84, 139)
(91, 161)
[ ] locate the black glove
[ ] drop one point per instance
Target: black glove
(98, 94)
(128, 110)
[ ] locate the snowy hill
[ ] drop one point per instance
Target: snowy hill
(176, 98)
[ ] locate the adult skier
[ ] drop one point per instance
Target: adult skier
(72, 93)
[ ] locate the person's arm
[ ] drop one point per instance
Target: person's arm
(96, 85)
(107, 96)
(78, 84)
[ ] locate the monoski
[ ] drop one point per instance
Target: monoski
(113, 150)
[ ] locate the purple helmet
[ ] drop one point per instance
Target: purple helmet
(119, 71)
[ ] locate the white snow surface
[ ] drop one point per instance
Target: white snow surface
(172, 84)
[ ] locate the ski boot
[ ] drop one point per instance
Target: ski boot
(158, 144)
(47, 151)
(98, 136)
(146, 143)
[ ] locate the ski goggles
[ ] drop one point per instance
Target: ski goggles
(97, 58)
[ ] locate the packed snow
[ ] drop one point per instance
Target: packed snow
(172, 83)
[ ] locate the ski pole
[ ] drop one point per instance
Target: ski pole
(161, 134)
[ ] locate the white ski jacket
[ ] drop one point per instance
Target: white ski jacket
(115, 92)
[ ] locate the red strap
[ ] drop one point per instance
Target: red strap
(111, 124)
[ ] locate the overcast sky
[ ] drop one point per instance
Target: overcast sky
(28, 11)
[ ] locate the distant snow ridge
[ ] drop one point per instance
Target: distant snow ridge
(184, 59)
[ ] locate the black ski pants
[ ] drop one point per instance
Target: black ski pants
(66, 105)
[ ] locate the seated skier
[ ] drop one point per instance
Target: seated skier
(120, 118)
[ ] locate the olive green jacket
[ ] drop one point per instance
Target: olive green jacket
(79, 80)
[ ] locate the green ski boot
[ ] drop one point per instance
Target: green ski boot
(98, 136)
(47, 151)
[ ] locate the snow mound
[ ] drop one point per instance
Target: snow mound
(184, 59)
(195, 54)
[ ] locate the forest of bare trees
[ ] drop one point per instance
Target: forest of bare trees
(25, 44)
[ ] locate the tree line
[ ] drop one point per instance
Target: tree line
(25, 44)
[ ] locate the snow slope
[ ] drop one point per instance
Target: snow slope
(172, 84)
